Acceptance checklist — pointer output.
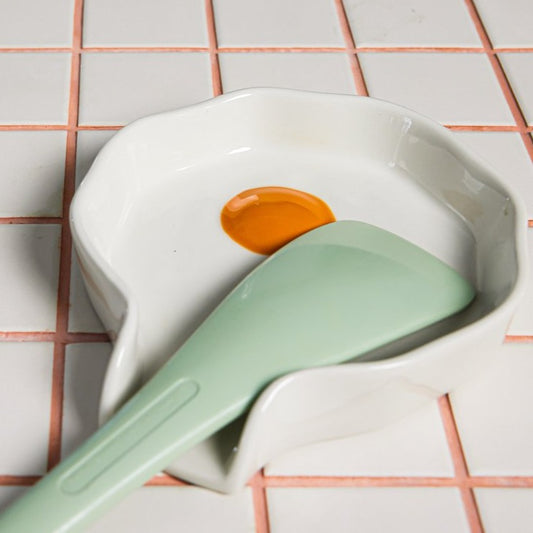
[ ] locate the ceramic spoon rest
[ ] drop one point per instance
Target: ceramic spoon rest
(156, 262)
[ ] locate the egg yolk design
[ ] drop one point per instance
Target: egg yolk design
(266, 218)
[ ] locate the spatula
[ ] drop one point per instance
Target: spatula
(330, 295)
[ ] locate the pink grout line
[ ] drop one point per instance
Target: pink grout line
(396, 481)
(59, 127)
(58, 370)
(147, 49)
(484, 127)
(501, 481)
(267, 49)
(19, 481)
(281, 49)
(30, 220)
(421, 49)
(213, 46)
(460, 466)
(36, 127)
(165, 480)
(520, 338)
(505, 86)
(113, 127)
(357, 73)
(259, 497)
(358, 481)
(265, 482)
(33, 49)
(511, 50)
(51, 336)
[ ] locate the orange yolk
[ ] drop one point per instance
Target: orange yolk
(264, 219)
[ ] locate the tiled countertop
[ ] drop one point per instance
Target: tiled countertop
(72, 72)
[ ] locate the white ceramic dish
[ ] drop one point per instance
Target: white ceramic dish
(155, 260)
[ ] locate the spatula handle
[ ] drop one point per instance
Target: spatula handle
(152, 429)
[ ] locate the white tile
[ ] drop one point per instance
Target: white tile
(171, 509)
(413, 23)
(505, 510)
(85, 367)
(288, 70)
(37, 88)
(144, 23)
(32, 170)
(25, 394)
(493, 414)
(89, 144)
(506, 154)
(82, 316)
(372, 510)
(117, 88)
(508, 23)
(522, 321)
(451, 88)
(413, 446)
(277, 23)
(50, 23)
(28, 276)
(519, 70)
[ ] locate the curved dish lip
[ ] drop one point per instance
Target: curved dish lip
(127, 332)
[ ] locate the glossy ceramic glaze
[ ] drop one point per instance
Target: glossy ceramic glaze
(266, 218)
(155, 259)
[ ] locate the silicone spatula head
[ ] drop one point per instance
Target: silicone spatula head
(337, 292)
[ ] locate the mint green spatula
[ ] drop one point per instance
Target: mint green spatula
(327, 297)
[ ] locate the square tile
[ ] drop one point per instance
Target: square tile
(171, 509)
(26, 370)
(345, 510)
(117, 88)
(89, 143)
(509, 510)
(28, 276)
(413, 23)
(32, 171)
(85, 367)
(82, 316)
(493, 414)
(288, 70)
(506, 154)
(508, 23)
(37, 88)
(277, 23)
(519, 70)
(144, 23)
(50, 23)
(451, 88)
(522, 321)
(413, 446)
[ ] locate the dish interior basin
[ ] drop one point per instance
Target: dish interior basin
(146, 225)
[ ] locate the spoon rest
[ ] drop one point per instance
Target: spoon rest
(156, 261)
